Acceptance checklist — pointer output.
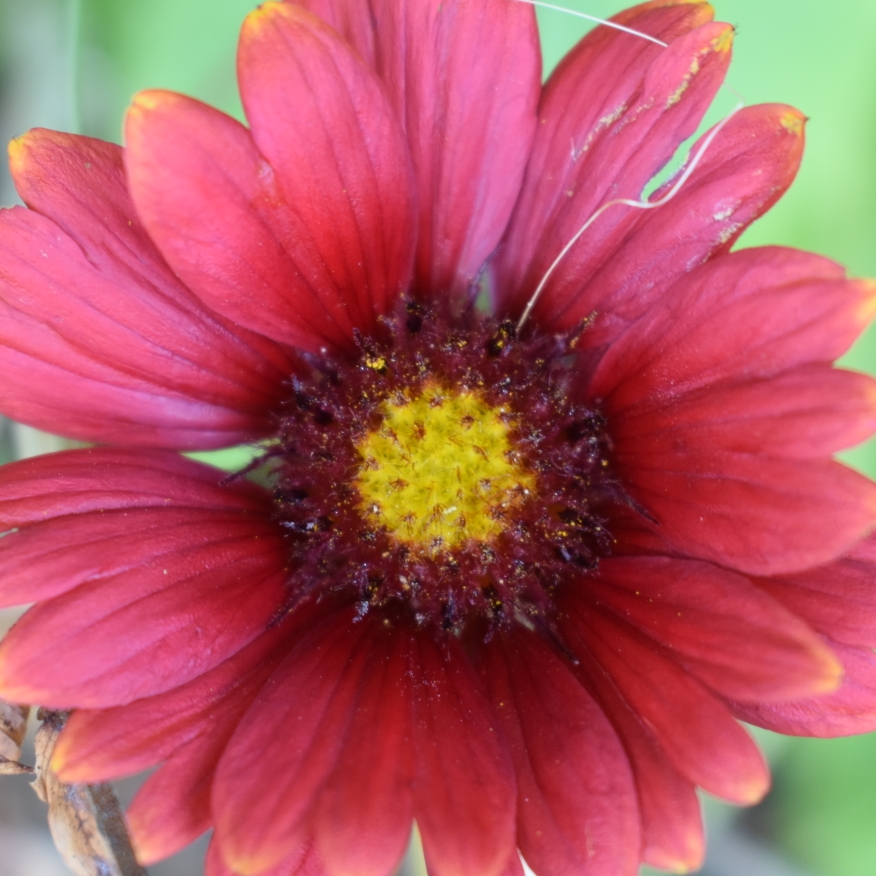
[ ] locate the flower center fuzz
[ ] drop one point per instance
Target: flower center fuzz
(445, 469)
(440, 470)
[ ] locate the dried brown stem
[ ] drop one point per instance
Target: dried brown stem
(86, 821)
(13, 726)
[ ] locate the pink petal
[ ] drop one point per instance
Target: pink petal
(99, 340)
(838, 600)
(349, 225)
(576, 802)
(741, 174)
(463, 779)
(697, 732)
(149, 628)
(289, 743)
(612, 114)
(721, 628)
(717, 404)
(362, 822)
(672, 829)
(353, 21)
(850, 710)
(464, 77)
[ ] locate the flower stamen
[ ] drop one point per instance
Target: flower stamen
(440, 469)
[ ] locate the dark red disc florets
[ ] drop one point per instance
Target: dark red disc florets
(541, 541)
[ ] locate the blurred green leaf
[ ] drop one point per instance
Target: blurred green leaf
(182, 45)
(824, 804)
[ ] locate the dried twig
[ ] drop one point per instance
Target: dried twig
(13, 726)
(86, 821)
(13, 767)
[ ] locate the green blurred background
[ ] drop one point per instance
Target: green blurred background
(73, 64)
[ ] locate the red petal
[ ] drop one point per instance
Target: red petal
(514, 866)
(762, 311)
(691, 392)
(463, 779)
(100, 479)
(612, 114)
(210, 202)
(363, 816)
(811, 411)
(464, 77)
(90, 514)
(172, 807)
(693, 727)
(353, 21)
(146, 629)
(838, 600)
(672, 829)
(850, 710)
(742, 173)
(103, 744)
(46, 560)
(722, 629)
(99, 340)
(322, 121)
(214, 865)
(303, 862)
(289, 742)
(576, 803)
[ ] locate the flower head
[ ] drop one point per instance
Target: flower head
(511, 579)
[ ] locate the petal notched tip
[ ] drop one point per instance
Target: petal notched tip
(832, 672)
(21, 150)
(751, 792)
(703, 13)
(693, 859)
(866, 310)
(265, 15)
(17, 151)
(723, 42)
(689, 57)
(16, 690)
(149, 101)
(246, 864)
(793, 121)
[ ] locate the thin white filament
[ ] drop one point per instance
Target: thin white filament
(606, 22)
(637, 205)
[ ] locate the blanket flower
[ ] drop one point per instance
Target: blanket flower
(514, 580)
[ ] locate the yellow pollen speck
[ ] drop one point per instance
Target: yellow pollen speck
(376, 363)
(440, 470)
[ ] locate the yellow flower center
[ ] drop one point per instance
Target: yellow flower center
(440, 469)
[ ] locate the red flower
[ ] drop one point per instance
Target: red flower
(515, 586)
